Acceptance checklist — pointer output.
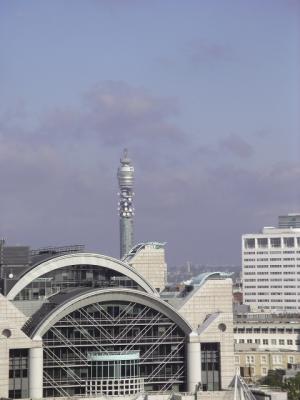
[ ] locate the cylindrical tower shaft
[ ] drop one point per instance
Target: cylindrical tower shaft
(126, 210)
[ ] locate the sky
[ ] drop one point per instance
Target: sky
(204, 94)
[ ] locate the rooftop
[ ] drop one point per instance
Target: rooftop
(140, 246)
(180, 293)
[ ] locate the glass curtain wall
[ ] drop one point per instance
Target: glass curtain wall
(106, 328)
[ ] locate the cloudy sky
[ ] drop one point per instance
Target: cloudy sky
(204, 94)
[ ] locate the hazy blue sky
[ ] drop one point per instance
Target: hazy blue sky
(204, 94)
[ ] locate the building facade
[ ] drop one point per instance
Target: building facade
(149, 260)
(254, 364)
(271, 269)
(85, 324)
(265, 341)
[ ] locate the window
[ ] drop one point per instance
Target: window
(18, 365)
(210, 366)
(289, 342)
(264, 371)
(274, 341)
(257, 341)
(262, 243)
(250, 359)
(249, 340)
(265, 341)
(237, 359)
(289, 242)
(277, 359)
(249, 243)
(263, 359)
(241, 341)
(275, 242)
(281, 342)
(291, 359)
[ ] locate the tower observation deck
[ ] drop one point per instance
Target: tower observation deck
(125, 206)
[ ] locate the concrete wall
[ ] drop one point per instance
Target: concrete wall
(11, 319)
(214, 296)
(150, 263)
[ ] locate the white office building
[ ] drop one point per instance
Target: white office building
(291, 220)
(271, 269)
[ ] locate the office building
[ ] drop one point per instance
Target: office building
(289, 221)
(84, 324)
(271, 269)
(125, 205)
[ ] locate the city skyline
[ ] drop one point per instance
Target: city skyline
(205, 97)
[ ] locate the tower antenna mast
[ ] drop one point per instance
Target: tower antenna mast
(125, 206)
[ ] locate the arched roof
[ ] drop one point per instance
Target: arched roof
(204, 276)
(107, 295)
(97, 260)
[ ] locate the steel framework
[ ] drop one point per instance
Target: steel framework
(107, 328)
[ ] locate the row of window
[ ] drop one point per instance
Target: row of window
(248, 253)
(271, 293)
(265, 259)
(266, 342)
(246, 266)
(266, 330)
(271, 287)
(252, 243)
(272, 273)
(272, 280)
(264, 359)
(271, 300)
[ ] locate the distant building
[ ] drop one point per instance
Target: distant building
(271, 269)
(265, 341)
(268, 331)
(289, 221)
